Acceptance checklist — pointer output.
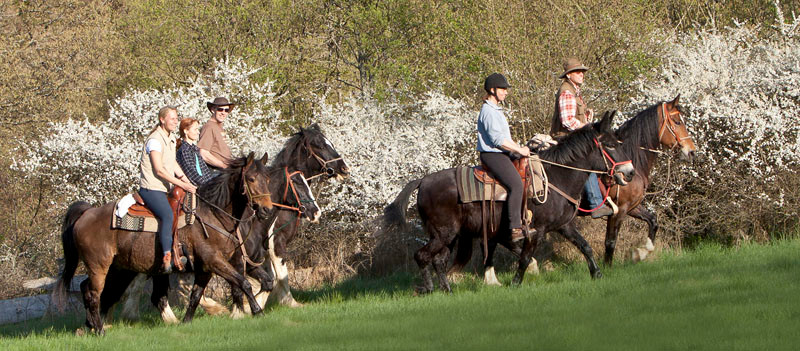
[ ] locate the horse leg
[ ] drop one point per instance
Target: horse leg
(160, 298)
(526, 256)
(201, 280)
(92, 288)
(266, 278)
(571, 233)
(440, 261)
(117, 282)
(612, 231)
(489, 276)
(639, 212)
(132, 297)
(238, 310)
(281, 292)
(221, 267)
(424, 256)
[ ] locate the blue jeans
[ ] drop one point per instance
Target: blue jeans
(157, 202)
(592, 191)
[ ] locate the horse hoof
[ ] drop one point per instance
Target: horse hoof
(597, 275)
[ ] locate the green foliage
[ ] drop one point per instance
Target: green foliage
(709, 298)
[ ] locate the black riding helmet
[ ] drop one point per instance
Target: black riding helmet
(495, 80)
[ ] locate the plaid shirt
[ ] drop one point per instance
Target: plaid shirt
(193, 166)
(567, 107)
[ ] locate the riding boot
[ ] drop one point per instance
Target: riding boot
(602, 212)
(166, 267)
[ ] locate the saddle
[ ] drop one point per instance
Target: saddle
(175, 198)
(482, 172)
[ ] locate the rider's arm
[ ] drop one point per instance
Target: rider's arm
(211, 159)
(510, 145)
(568, 107)
(160, 171)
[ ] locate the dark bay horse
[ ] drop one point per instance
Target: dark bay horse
(446, 220)
(113, 256)
(658, 126)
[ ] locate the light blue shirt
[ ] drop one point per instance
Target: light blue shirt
(492, 128)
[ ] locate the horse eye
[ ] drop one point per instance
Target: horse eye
(251, 179)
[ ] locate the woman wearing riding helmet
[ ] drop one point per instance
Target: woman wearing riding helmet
(495, 145)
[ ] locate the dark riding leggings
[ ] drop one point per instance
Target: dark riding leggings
(157, 202)
(503, 170)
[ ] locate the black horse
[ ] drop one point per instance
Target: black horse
(445, 219)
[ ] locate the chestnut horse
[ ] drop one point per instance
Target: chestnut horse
(659, 125)
(445, 219)
(112, 256)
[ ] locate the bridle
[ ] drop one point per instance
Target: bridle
(300, 209)
(609, 162)
(327, 170)
(611, 165)
(668, 124)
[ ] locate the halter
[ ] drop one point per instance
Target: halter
(251, 196)
(669, 124)
(330, 172)
(608, 160)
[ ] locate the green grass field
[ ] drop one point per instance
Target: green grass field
(708, 298)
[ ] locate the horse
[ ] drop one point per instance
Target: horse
(309, 152)
(445, 219)
(642, 135)
(659, 125)
(114, 256)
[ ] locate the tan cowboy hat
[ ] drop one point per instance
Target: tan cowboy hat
(219, 101)
(571, 65)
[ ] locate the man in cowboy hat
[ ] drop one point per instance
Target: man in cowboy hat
(570, 113)
(213, 142)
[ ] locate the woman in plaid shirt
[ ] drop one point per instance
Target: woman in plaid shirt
(188, 153)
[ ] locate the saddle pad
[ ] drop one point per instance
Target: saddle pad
(471, 190)
(150, 224)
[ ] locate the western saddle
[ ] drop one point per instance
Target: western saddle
(175, 199)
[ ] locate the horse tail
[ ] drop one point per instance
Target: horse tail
(394, 215)
(463, 255)
(59, 296)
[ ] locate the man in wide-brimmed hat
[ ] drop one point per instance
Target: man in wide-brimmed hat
(213, 143)
(570, 113)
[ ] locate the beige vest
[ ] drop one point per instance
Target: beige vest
(558, 129)
(147, 177)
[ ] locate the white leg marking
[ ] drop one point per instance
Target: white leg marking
(167, 316)
(489, 278)
(533, 268)
(212, 307)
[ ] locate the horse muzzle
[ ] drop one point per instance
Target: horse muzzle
(624, 173)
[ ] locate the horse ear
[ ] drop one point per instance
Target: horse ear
(675, 101)
(250, 158)
(605, 124)
(265, 158)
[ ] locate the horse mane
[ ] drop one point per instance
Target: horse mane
(217, 191)
(290, 153)
(572, 147)
(640, 131)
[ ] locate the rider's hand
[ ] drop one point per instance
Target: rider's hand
(591, 115)
(189, 187)
(525, 151)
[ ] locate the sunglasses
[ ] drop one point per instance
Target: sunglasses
(222, 109)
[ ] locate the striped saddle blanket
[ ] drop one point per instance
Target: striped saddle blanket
(123, 219)
(471, 187)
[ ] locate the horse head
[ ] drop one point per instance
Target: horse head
(672, 132)
(255, 183)
(299, 195)
(614, 160)
(310, 152)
